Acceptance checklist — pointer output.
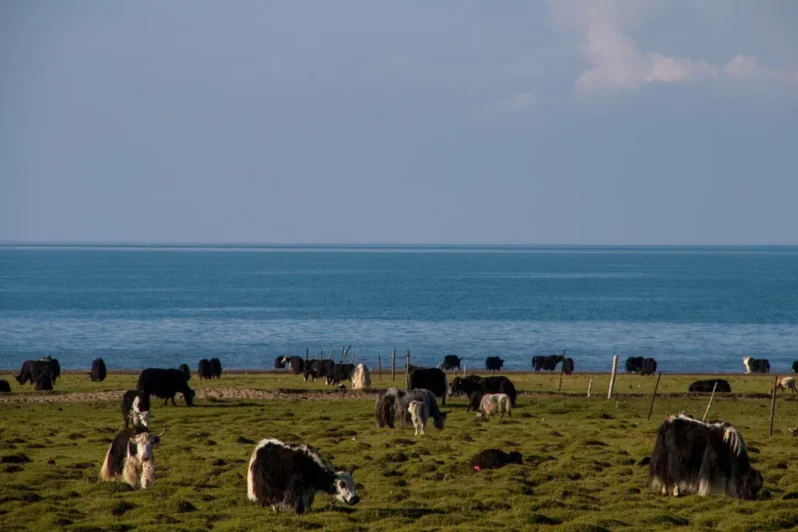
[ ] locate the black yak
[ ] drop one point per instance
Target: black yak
(706, 386)
(33, 370)
(98, 370)
(494, 459)
(482, 385)
(165, 384)
(341, 372)
(643, 366)
(316, 369)
(4, 386)
(289, 476)
(756, 365)
(216, 368)
(391, 407)
(183, 368)
(432, 379)
(494, 364)
(546, 362)
(691, 456)
(451, 362)
(204, 369)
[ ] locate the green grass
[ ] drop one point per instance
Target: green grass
(581, 457)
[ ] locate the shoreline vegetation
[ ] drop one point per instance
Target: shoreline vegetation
(583, 457)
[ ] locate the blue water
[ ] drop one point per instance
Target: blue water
(694, 309)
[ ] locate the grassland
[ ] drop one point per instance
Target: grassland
(581, 454)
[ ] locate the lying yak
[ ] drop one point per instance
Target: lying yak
(288, 476)
(392, 404)
(494, 459)
(130, 456)
(692, 456)
(4, 386)
(706, 386)
(473, 383)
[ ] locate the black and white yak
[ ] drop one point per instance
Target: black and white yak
(98, 370)
(341, 372)
(279, 362)
(451, 362)
(432, 379)
(706, 386)
(33, 370)
(4, 386)
(183, 368)
(316, 369)
(482, 385)
(204, 369)
(494, 364)
(289, 476)
(165, 384)
(756, 365)
(494, 459)
(546, 362)
(295, 363)
(216, 368)
(641, 365)
(362, 378)
(136, 408)
(692, 456)
(391, 407)
(130, 457)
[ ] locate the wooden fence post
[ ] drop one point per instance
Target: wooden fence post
(773, 404)
(393, 365)
(612, 377)
(710, 401)
(307, 354)
(379, 365)
(590, 386)
(562, 371)
(654, 396)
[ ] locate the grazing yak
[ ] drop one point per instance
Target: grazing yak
(494, 364)
(136, 409)
(165, 384)
(98, 370)
(419, 415)
(754, 365)
(362, 378)
(392, 404)
(568, 366)
(289, 476)
(494, 459)
(432, 379)
(546, 362)
(786, 383)
(295, 363)
(33, 370)
(216, 368)
(450, 362)
(183, 368)
(482, 385)
(204, 369)
(494, 403)
(643, 366)
(316, 369)
(4, 386)
(706, 386)
(341, 372)
(692, 456)
(130, 456)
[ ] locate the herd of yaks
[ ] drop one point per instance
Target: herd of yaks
(689, 456)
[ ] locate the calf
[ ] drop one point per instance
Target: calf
(341, 372)
(494, 364)
(4, 386)
(165, 384)
(204, 369)
(643, 366)
(546, 362)
(136, 409)
(691, 456)
(451, 362)
(419, 415)
(432, 379)
(494, 459)
(130, 456)
(289, 476)
(482, 385)
(183, 368)
(786, 383)
(706, 386)
(392, 404)
(33, 370)
(494, 403)
(216, 368)
(315, 369)
(362, 378)
(98, 370)
(754, 365)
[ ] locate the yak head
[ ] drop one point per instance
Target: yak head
(140, 445)
(189, 397)
(749, 484)
(439, 421)
(344, 489)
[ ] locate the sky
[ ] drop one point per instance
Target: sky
(561, 122)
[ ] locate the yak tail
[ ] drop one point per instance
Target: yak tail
(734, 440)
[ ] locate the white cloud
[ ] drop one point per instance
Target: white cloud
(520, 103)
(617, 62)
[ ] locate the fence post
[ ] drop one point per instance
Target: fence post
(307, 354)
(562, 371)
(590, 386)
(773, 404)
(379, 365)
(654, 396)
(393, 365)
(710, 401)
(612, 377)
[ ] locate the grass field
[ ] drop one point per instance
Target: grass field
(581, 457)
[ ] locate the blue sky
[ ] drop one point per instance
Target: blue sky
(567, 122)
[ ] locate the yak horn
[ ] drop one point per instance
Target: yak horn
(161, 434)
